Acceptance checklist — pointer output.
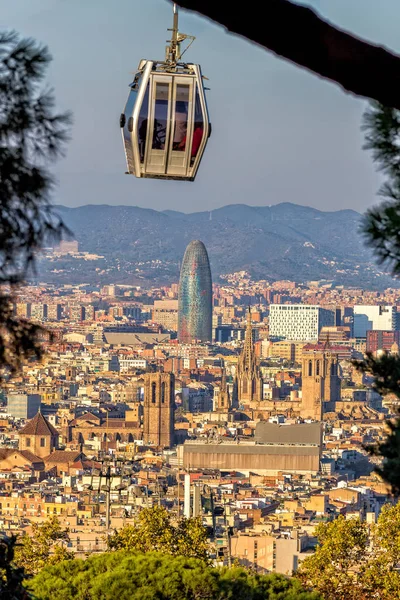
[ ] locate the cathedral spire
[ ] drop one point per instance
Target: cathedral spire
(248, 377)
(248, 326)
(248, 350)
(223, 380)
(327, 345)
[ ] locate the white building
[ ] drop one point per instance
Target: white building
(127, 364)
(298, 321)
(380, 318)
(23, 406)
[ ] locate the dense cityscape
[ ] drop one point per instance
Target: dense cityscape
(243, 390)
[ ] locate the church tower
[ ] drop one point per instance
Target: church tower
(158, 412)
(222, 399)
(320, 380)
(248, 387)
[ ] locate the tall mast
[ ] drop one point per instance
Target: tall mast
(172, 53)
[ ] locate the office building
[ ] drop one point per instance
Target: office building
(298, 321)
(54, 312)
(23, 406)
(165, 313)
(195, 295)
(379, 318)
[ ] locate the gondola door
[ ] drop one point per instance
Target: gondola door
(181, 126)
(158, 134)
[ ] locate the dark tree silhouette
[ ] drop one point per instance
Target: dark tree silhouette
(32, 135)
(381, 229)
(11, 577)
(300, 35)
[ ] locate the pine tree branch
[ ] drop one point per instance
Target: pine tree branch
(300, 35)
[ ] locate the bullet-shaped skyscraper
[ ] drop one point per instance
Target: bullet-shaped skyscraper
(195, 295)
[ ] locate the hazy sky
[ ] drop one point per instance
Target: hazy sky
(279, 133)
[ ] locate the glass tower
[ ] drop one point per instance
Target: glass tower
(195, 295)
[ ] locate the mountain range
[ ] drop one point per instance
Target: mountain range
(283, 241)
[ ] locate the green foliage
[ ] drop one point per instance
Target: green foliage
(43, 547)
(342, 546)
(382, 223)
(11, 577)
(154, 530)
(355, 561)
(386, 372)
(132, 576)
(32, 135)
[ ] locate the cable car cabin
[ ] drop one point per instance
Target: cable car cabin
(165, 125)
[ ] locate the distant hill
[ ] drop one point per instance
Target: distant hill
(285, 241)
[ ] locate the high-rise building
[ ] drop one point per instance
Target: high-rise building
(158, 409)
(54, 312)
(38, 311)
(298, 322)
(165, 313)
(23, 406)
(23, 309)
(76, 313)
(195, 295)
(380, 318)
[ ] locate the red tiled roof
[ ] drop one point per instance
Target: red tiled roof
(29, 456)
(88, 416)
(39, 425)
(63, 456)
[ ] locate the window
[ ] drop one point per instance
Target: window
(160, 116)
(28, 442)
(42, 442)
(318, 367)
(198, 125)
(142, 123)
(163, 392)
(153, 392)
(181, 117)
(309, 368)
